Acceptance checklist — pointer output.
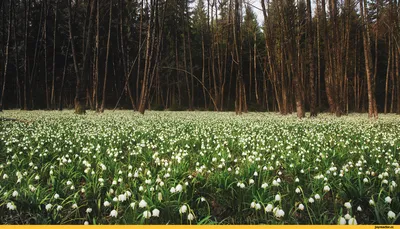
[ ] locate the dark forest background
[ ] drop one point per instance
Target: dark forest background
(322, 56)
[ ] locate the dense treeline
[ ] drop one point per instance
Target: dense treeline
(336, 56)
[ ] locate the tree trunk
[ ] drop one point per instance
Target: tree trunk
(60, 103)
(313, 99)
(107, 56)
(6, 56)
(53, 96)
(367, 58)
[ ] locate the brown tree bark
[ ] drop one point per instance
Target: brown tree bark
(367, 58)
(107, 57)
(313, 99)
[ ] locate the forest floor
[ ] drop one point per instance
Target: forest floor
(198, 168)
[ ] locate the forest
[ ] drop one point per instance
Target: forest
(306, 56)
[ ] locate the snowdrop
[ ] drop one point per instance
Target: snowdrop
(156, 212)
(182, 209)
(391, 215)
(352, 221)
(146, 214)
(114, 213)
(142, 204)
(342, 221)
(106, 203)
(190, 217)
(48, 207)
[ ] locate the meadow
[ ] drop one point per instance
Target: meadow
(198, 168)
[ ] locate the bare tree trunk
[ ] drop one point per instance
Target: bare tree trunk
(16, 57)
(142, 104)
(367, 58)
(6, 55)
(26, 70)
(140, 56)
(107, 56)
(313, 99)
(53, 96)
(45, 55)
(60, 103)
(387, 73)
(203, 68)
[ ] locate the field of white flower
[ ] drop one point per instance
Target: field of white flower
(198, 168)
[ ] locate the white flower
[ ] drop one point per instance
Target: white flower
(182, 209)
(15, 194)
(251, 181)
(48, 207)
(242, 185)
(202, 199)
(114, 213)
(255, 174)
(317, 196)
(74, 206)
(297, 190)
(172, 190)
(347, 216)
(179, 188)
(253, 204)
(11, 206)
(115, 199)
(264, 185)
(391, 215)
(159, 196)
(301, 207)
(37, 177)
(258, 206)
(156, 212)
(359, 208)
(142, 204)
(5, 176)
(277, 197)
(388, 200)
(69, 183)
(279, 213)
(86, 223)
(347, 205)
(275, 183)
(365, 180)
(342, 221)
(56, 196)
(106, 203)
(311, 200)
(122, 197)
(59, 207)
(269, 208)
(371, 202)
(326, 188)
(297, 180)
(88, 210)
(352, 221)
(190, 217)
(146, 214)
